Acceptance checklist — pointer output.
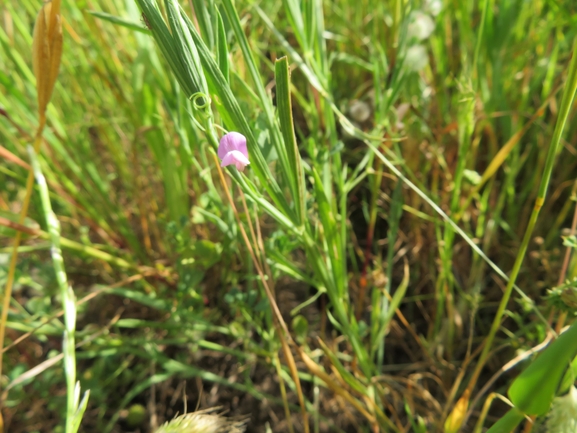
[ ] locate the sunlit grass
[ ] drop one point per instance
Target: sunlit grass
(364, 260)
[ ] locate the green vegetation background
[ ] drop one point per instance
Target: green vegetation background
(403, 112)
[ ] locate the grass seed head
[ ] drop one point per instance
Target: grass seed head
(47, 52)
(203, 421)
(562, 417)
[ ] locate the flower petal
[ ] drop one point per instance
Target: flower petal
(232, 141)
(237, 158)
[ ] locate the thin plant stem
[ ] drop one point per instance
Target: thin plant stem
(566, 104)
(259, 252)
(66, 294)
(280, 325)
(287, 410)
(479, 42)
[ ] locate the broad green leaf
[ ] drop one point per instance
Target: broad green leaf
(508, 422)
(533, 390)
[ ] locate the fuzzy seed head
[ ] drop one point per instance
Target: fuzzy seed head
(203, 421)
(563, 414)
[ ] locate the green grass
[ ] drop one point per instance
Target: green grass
(392, 247)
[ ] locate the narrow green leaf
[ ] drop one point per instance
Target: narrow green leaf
(329, 228)
(185, 47)
(120, 21)
(284, 105)
(204, 22)
(140, 297)
(346, 375)
(80, 410)
(390, 311)
(287, 265)
(312, 77)
(294, 15)
(222, 48)
(166, 44)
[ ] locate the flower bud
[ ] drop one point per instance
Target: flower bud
(232, 150)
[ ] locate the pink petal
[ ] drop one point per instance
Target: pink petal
(237, 158)
(232, 141)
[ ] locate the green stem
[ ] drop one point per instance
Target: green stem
(478, 44)
(568, 95)
(66, 293)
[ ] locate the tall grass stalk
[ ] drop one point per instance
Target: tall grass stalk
(74, 407)
(564, 111)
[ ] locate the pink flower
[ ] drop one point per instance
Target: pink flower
(232, 150)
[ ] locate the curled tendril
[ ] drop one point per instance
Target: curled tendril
(201, 104)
